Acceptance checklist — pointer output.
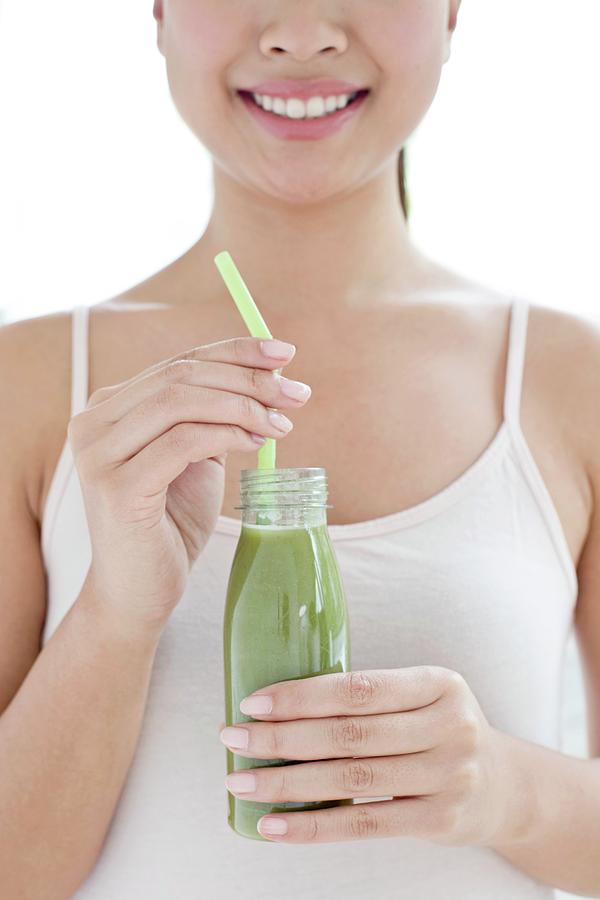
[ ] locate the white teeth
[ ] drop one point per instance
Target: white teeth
(294, 108)
(315, 108)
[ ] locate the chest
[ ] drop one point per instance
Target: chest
(390, 434)
(399, 411)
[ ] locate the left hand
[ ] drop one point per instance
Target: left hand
(417, 735)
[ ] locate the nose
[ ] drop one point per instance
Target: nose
(303, 36)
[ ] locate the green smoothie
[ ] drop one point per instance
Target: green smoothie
(285, 618)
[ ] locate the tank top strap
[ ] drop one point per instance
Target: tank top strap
(517, 343)
(79, 359)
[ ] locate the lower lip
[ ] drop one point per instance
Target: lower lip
(302, 129)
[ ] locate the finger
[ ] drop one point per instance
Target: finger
(395, 776)
(116, 400)
(338, 737)
(407, 817)
(265, 385)
(185, 403)
(151, 470)
(346, 693)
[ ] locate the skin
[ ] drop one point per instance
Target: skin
(485, 752)
(399, 339)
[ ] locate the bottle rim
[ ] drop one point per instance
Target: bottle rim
(283, 488)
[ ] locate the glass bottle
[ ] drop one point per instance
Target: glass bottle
(285, 614)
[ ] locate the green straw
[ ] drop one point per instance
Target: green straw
(255, 324)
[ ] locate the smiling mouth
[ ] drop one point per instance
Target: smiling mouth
(297, 110)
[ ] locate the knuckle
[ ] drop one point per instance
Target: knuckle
(237, 434)
(276, 742)
(467, 724)
(454, 682)
(279, 789)
(249, 408)
(256, 379)
(347, 734)
(357, 689)
(239, 347)
(357, 775)
(99, 395)
(466, 778)
(311, 823)
(362, 822)
(170, 396)
(181, 437)
(434, 673)
(180, 369)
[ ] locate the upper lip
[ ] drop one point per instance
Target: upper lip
(304, 90)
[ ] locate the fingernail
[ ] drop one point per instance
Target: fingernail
(241, 783)
(277, 349)
(235, 737)
(258, 438)
(296, 390)
(259, 705)
(282, 423)
(272, 826)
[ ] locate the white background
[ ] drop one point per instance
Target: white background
(101, 184)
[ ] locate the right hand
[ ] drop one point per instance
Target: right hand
(150, 454)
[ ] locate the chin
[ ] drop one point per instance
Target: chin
(303, 190)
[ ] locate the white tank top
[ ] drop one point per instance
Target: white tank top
(477, 578)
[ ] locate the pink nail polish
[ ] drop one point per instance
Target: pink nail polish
(238, 738)
(269, 825)
(257, 705)
(277, 349)
(296, 390)
(241, 783)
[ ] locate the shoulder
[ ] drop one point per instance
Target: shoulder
(35, 372)
(35, 364)
(565, 355)
(559, 411)
(32, 341)
(563, 361)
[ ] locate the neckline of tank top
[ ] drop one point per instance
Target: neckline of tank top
(411, 515)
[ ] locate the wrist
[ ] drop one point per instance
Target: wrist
(115, 625)
(516, 785)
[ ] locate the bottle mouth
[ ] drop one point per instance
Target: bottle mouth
(281, 488)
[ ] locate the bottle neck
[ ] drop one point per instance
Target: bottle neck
(284, 498)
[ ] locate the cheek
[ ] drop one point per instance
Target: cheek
(409, 43)
(411, 39)
(202, 41)
(200, 32)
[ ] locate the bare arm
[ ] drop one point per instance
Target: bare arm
(76, 707)
(71, 714)
(66, 743)
(560, 804)
(561, 794)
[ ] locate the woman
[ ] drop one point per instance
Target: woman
(463, 578)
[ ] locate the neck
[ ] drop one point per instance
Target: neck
(347, 250)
